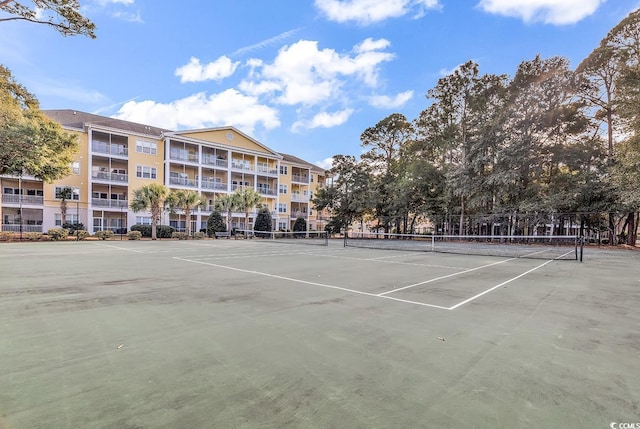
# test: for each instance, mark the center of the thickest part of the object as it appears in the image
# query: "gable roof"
(301, 162)
(79, 120)
(192, 133)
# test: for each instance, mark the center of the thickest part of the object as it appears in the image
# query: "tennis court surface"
(254, 333)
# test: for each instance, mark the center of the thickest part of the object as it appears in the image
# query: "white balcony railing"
(26, 199)
(109, 149)
(111, 177)
(299, 178)
(205, 184)
(12, 227)
(299, 198)
(179, 181)
(104, 202)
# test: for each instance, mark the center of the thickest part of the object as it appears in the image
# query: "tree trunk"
(63, 211)
(632, 235)
(461, 216)
(612, 229)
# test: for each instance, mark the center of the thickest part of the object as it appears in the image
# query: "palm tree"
(64, 194)
(227, 204)
(247, 198)
(186, 200)
(151, 198)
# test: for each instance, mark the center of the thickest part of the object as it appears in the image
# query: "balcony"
(104, 202)
(267, 191)
(300, 198)
(179, 181)
(218, 186)
(109, 149)
(267, 170)
(241, 166)
(300, 178)
(212, 160)
(26, 199)
(12, 227)
(183, 157)
(111, 177)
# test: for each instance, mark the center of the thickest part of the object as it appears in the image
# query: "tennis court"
(254, 333)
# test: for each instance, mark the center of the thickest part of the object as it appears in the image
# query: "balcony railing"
(300, 178)
(211, 160)
(111, 177)
(299, 198)
(109, 149)
(12, 227)
(104, 202)
(188, 158)
(214, 185)
(189, 183)
(267, 191)
(267, 170)
(26, 199)
(241, 166)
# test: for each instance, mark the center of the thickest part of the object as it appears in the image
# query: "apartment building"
(116, 157)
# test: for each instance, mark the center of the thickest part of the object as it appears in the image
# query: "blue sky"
(304, 77)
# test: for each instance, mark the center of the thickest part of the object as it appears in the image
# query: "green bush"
(199, 235)
(104, 235)
(162, 231)
(263, 222)
(299, 227)
(180, 235)
(80, 234)
(6, 235)
(215, 223)
(73, 227)
(33, 236)
(134, 235)
(57, 234)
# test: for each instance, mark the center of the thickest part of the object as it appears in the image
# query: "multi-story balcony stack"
(115, 157)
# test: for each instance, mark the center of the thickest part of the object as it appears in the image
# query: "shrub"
(199, 235)
(215, 223)
(180, 235)
(33, 236)
(299, 227)
(81, 234)
(6, 235)
(104, 235)
(134, 235)
(73, 227)
(57, 234)
(162, 231)
(263, 222)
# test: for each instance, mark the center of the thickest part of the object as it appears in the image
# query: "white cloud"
(266, 43)
(324, 120)
(217, 70)
(558, 12)
(304, 74)
(127, 16)
(387, 102)
(370, 11)
(199, 111)
(107, 2)
(325, 163)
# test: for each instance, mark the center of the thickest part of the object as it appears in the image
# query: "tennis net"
(520, 246)
(320, 238)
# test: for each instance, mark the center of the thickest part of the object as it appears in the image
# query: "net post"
(433, 242)
(581, 247)
(345, 239)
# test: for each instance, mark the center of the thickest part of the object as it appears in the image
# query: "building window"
(69, 218)
(75, 193)
(283, 189)
(144, 172)
(143, 220)
(75, 167)
(282, 226)
(312, 178)
(283, 170)
(282, 207)
(146, 147)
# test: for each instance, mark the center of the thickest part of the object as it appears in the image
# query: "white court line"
(445, 277)
(259, 273)
(501, 284)
(121, 248)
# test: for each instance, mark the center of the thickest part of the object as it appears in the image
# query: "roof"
(295, 160)
(76, 119)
